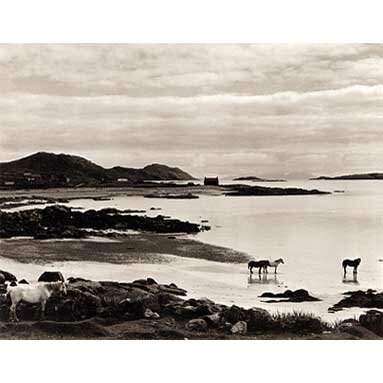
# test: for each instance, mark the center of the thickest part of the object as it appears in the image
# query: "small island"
(257, 179)
(363, 176)
(245, 190)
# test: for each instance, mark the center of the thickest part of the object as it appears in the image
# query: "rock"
(149, 314)
(51, 276)
(239, 328)
(234, 314)
(8, 276)
(373, 321)
(299, 295)
(213, 320)
(134, 308)
(23, 281)
(368, 299)
(259, 319)
(2, 278)
(196, 325)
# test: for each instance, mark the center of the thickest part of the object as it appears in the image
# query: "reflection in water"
(353, 279)
(263, 279)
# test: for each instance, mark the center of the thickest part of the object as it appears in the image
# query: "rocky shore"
(145, 309)
(59, 221)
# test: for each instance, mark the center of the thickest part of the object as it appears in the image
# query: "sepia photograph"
(191, 191)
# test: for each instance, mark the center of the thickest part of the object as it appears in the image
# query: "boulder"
(196, 325)
(149, 314)
(373, 320)
(51, 276)
(23, 281)
(213, 320)
(240, 328)
(258, 319)
(8, 276)
(234, 314)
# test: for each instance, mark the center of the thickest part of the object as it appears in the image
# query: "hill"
(57, 170)
(364, 176)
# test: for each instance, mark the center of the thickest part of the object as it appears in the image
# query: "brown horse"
(260, 265)
(352, 263)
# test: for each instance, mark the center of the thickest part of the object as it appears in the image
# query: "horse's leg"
(12, 313)
(345, 271)
(43, 303)
(275, 269)
(266, 270)
(259, 270)
(355, 269)
(251, 269)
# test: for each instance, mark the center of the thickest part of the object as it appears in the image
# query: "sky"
(286, 111)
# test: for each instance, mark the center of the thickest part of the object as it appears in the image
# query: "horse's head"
(280, 260)
(358, 260)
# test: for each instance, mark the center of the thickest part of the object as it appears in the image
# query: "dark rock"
(51, 276)
(8, 276)
(258, 319)
(299, 295)
(196, 325)
(373, 320)
(234, 314)
(2, 278)
(213, 320)
(368, 299)
(23, 281)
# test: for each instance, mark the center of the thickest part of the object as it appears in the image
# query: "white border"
(164, 21)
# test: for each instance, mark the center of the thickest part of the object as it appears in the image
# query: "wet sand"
(100, 259)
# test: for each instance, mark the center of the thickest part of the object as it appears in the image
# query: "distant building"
(211, 181)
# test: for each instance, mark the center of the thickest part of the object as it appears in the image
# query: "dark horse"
(258, 264)
(352, 263)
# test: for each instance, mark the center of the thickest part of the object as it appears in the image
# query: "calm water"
(313, 234)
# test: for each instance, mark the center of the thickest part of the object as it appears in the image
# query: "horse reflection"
(353, 279)
(263, 279)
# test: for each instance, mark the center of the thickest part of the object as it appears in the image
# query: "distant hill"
(256, 179)
(52, 170)
(364, 176)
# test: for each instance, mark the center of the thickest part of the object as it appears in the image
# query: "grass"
(299, 322)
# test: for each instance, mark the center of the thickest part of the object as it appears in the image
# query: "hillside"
(364, 176)
(54, 170)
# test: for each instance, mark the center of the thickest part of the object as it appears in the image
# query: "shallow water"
(313, 234)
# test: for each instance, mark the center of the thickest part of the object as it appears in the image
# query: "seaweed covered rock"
(373, 320)
(300, 295)
(51, 276)
(7, 276)
(363, 299)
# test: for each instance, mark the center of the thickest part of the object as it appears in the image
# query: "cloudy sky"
(269, 110)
